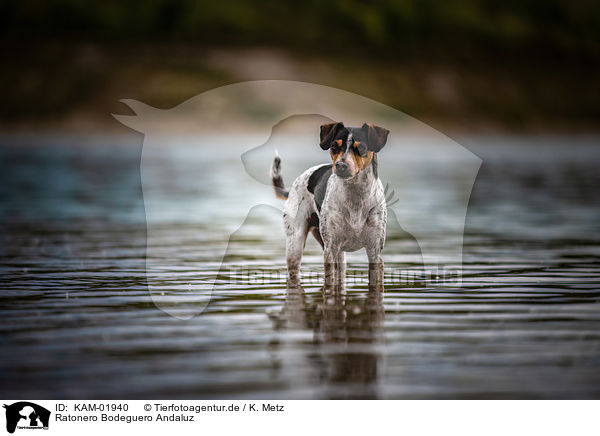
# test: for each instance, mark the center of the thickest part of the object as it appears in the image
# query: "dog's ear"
(328, 132)
(376, 136)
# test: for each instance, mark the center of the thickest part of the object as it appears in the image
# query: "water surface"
(77, 320)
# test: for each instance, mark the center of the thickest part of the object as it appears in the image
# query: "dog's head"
(352, 149)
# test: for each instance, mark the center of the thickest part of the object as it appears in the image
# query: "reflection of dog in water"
(342, 204)
(25, 414)
(347, 329)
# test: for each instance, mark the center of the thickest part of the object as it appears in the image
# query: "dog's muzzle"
(342, 170)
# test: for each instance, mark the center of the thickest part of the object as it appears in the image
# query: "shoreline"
(78, 88)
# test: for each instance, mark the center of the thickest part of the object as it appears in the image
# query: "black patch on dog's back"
(317, 184)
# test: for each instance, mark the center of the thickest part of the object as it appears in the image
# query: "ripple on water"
(77, 320)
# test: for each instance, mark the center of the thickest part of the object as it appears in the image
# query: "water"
(77, 320)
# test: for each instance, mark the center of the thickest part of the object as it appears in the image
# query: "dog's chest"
(348, 228)
(345, 218)
(348, 218)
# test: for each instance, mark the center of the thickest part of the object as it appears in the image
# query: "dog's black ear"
(376, 136)
(328, 132)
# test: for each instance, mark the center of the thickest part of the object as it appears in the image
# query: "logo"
(26, 415)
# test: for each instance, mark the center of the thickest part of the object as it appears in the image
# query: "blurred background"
(464, 65)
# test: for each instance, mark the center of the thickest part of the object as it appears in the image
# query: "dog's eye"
(361, 149)
(335, 149)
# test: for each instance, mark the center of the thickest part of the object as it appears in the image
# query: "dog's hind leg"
(317, 235)
(294, 247)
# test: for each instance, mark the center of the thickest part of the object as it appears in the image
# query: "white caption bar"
(154, 417)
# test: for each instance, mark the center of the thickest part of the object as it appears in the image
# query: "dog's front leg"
(329, 267)
(376, 269)
(340, 269)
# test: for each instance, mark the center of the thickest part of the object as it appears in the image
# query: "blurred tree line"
(517, 64)
(552, 28)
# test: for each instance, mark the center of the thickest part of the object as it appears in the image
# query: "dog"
(342, 204)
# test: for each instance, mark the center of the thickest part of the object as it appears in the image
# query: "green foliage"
(551, 27)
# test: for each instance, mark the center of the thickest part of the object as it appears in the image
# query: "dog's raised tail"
(277, 180)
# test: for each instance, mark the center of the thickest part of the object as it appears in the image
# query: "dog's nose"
(341, 166)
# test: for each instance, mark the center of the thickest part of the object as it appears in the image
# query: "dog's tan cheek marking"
(335, 157)
(362, 162)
